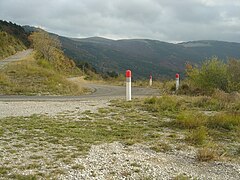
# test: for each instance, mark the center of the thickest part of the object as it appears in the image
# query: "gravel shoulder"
(50, 108)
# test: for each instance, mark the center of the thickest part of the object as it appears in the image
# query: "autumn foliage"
(48, 48)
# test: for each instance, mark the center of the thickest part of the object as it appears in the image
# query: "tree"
(45, 44)
(49, 48)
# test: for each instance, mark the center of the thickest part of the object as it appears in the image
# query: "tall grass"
(9, 45)
(31, 77)
(224, 121)
(190, 119)
(163, 104)
(197, 136)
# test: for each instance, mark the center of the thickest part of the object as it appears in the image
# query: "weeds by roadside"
(164, 124)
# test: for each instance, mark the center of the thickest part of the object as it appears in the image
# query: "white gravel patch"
(28, 108)
(116, 161)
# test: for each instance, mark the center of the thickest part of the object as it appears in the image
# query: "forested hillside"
(145, 57)
(13, 38)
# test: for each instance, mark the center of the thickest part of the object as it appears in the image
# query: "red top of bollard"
(177, 75)
(128, 73)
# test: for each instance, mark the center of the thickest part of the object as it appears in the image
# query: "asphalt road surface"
(16, 57)
(100, 92)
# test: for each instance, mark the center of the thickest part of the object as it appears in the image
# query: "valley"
(63, 112)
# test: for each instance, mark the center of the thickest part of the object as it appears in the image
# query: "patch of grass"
(9, 45)
(207, 103)
(31, 166)
(22, 177)
(29, 78)
(181, 177)
(207, 154)
(162, 104)
(224, 121)
(4, 80)
(190, 119)
(1, 131)
(218, 101)
(19, 145)
(134, 164)
(78, 167)
(197, 136)
(237, 151)
(161, 147)
(103, 110)
(4, 170)
(36, 157)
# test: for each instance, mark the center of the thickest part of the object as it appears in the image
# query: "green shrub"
(233, 69)
(211, 75)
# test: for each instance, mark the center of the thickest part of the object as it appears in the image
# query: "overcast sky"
(165, 20)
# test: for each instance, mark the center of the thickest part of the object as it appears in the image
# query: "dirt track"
(15, 57)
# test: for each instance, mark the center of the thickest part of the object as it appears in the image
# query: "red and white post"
(128, 85)
(150, 80)
(177, 81)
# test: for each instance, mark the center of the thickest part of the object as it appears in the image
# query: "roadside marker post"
(128, 85)
(177, 81)
(150, 80)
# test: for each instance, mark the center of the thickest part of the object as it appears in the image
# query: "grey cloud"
(166, 20)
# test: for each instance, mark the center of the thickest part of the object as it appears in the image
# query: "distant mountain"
(144, 56)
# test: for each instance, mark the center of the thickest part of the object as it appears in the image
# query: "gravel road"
(15, 57)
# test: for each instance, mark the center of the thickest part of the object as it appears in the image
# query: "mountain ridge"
(146, 56)
(143, 56)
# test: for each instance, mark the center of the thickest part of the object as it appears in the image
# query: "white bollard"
(128, 85)
(150, 80)
(177, 81)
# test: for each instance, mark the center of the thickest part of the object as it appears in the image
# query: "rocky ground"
(116, 161)
(51, 108)
(113, 160)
